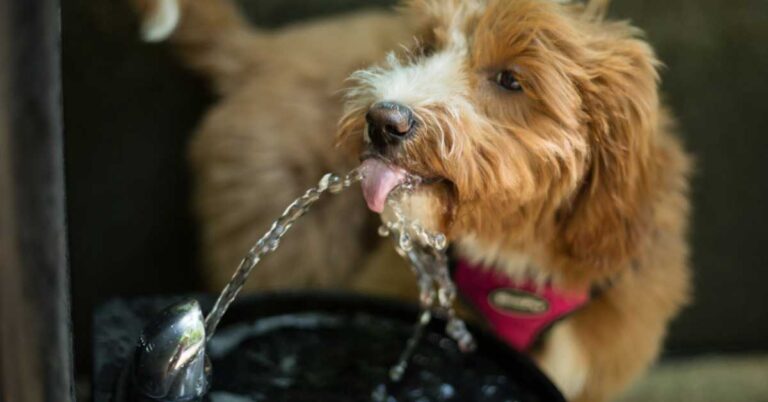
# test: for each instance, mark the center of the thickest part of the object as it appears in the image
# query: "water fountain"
(172, 361)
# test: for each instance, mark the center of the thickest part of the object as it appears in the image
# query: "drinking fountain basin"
(316, 346)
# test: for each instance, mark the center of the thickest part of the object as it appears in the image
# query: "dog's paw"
(564, 361)
(159, 18)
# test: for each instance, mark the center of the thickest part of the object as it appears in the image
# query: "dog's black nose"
(389, 123)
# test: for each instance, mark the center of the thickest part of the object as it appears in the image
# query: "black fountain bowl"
(334, 347)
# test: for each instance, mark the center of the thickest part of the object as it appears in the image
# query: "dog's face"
(517, 112)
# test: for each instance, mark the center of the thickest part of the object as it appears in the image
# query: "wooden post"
(35, 334)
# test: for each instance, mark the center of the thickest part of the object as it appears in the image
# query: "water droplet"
(467, 343)
(322, 185)
(439, 242)
(427, 298)
(292, 213)
(335, 185)
(405, 242)
(447, 391)
(489, 390)
(455, 328)
(379, 393)
(311, 196)
(279, 229)
(253, 256)
(445, 296)
(396, 372)
(425, 318)
(354, 176)
(401, 252)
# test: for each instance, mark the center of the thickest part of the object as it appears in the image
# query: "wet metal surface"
(170, 361)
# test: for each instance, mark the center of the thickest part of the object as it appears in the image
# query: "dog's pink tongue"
(378, 181)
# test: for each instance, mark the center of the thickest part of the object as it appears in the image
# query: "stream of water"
(268, 243)
(425, 251)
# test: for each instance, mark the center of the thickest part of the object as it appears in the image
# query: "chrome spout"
(170, 363)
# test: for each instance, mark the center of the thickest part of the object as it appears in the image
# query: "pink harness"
(518, 312)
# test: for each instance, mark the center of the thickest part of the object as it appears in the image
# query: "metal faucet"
(170, 363)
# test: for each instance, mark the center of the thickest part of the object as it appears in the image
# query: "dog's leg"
(592, 357)
(211, 36)
(600, 350)
(564, 360)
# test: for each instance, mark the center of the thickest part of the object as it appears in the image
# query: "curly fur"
(579, 172)
(578, 179)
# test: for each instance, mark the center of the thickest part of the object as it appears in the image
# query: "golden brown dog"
(536, 125)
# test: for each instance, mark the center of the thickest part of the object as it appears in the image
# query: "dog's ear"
(604, 222)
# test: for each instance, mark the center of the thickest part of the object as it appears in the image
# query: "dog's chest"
(517, 265)
(516, 298)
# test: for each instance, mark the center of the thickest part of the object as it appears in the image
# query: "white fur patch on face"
(431, 80)
(564, 361)
(160, 24)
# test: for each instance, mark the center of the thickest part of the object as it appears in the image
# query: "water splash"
(423, 249)
(426, 252)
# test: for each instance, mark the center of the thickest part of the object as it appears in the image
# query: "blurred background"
(129, 109)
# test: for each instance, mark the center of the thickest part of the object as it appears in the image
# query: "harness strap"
(519, 312)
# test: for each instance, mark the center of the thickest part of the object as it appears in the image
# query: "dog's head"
(529, 118)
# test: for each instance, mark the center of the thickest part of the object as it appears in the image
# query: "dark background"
(129, 109)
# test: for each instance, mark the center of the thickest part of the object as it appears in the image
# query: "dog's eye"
(507, 80)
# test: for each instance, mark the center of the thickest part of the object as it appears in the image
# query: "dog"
(545, 153)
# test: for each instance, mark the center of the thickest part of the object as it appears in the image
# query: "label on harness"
(517, 301)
